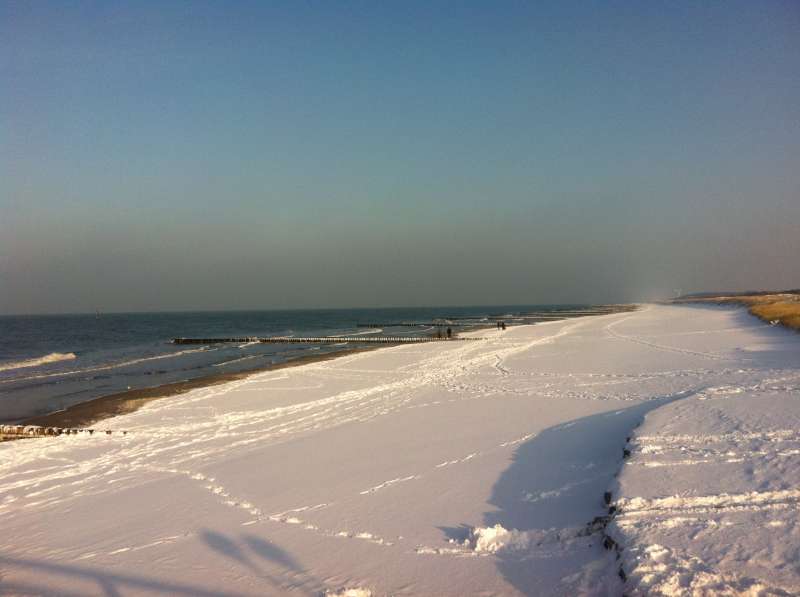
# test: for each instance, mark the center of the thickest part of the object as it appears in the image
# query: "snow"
(446, 469)
(349, 593)
(493, 539)
(707, 502)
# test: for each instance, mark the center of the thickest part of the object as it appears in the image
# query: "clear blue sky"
(165, 155)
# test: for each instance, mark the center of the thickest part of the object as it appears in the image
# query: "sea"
(50, 362)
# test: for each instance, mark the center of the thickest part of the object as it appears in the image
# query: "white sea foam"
(223, 363)
(53, 357)
(365, 333)
(101, 367)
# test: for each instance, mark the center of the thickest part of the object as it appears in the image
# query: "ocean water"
(50, 362)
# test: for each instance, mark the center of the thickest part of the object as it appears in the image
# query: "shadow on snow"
(557, 481)
(253, 553)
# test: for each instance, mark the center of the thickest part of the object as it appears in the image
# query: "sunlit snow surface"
(439, 469)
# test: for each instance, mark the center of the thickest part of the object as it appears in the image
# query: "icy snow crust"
(440, 469)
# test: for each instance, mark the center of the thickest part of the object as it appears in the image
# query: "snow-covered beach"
(439, 469)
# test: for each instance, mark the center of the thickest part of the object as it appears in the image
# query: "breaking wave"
(53, 357)
(107, 367)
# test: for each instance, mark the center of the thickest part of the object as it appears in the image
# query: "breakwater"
(21, 431)
(322, 340)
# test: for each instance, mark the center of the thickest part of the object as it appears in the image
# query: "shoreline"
(85, 414)
(98, 409)
(392, 449)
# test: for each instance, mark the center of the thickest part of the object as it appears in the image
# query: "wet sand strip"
(87, 413)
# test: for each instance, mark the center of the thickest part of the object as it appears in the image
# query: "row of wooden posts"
(38, 431)
(320, 340)
(406, 324)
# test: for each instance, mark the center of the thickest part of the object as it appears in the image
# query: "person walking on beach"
(502, 325)
(449, 333)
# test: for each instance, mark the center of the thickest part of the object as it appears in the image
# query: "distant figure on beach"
(498, 325)
(503, 325)
(449, 333)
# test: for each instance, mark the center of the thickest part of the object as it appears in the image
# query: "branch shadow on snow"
(96, 580)
(557, 481)
(270, 551)
(256, 555)
(274, 556)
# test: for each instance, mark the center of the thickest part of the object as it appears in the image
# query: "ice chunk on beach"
(349, 593)
(496, 538)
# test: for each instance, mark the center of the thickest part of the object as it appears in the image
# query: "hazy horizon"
(202, 156)
(266, 310)
(351, 308)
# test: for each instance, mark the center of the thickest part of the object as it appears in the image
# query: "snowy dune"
(439, 469)
(710, 494)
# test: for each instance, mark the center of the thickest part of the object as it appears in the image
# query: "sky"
(211, 155)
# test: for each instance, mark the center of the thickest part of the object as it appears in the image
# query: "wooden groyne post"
(21, 431)
(322, 340)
